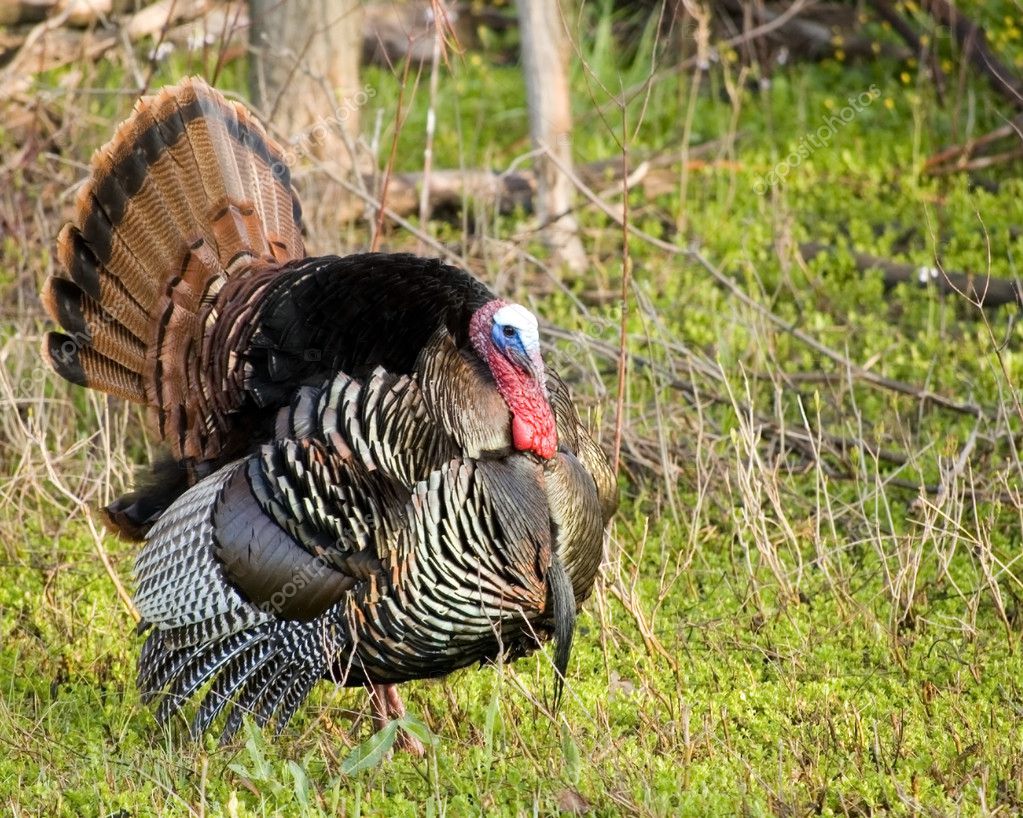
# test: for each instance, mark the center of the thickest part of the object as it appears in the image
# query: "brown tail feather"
(84, 366)
(188, 195)
(79, 314)
(81, 264)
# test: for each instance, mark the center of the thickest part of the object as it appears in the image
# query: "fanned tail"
(189, 194)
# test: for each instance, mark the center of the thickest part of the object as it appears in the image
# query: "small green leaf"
(418, 728)
(490, 720)
(571, 752)
(301, 783)
(241, 770)
(372, 751)
(254, 747)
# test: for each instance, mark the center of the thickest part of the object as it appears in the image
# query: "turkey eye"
(509, 332)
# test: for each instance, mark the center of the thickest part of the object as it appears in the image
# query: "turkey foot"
(387, 705)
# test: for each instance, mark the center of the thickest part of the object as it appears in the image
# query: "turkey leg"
(387, 704)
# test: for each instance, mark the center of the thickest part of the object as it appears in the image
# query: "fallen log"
(983, 290)
(391, 31)
(508, 190)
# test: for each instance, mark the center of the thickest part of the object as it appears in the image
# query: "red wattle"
(547, 446)
(522, 434)
(536, 434)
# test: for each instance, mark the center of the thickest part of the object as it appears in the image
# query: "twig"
(431, 119)
(96, 532)
(229, 26)
(403, 223)
(161, 34)
(768, 26)
(956, 157)
(949, 477)
(629, 600)
(399, 122)
(624, 303)
(800, 439)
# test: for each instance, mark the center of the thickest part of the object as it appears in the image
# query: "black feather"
(61, 353)
(133, 514)
(562, 606)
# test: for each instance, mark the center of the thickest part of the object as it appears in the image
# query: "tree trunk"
(544, 63)
(304, 75)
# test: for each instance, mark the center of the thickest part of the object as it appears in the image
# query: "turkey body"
(360, 485)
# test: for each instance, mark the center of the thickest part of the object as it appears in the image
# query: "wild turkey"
(370, 477)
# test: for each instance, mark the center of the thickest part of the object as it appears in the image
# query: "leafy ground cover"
(811, 603)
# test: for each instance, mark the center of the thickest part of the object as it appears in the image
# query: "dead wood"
(1001, 145)
(391, 31)
(981, 289)
(53, 43)
(506, 191)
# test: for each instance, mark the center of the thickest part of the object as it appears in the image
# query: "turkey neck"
(533, 425)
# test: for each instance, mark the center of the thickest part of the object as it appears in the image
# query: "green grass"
(774, 632)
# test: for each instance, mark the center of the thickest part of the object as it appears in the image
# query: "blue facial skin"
(506, 338)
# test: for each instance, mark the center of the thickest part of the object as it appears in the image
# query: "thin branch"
(624, 302)
(399, 123)
(431, 119)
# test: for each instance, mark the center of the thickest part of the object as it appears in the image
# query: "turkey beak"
(530, 362)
